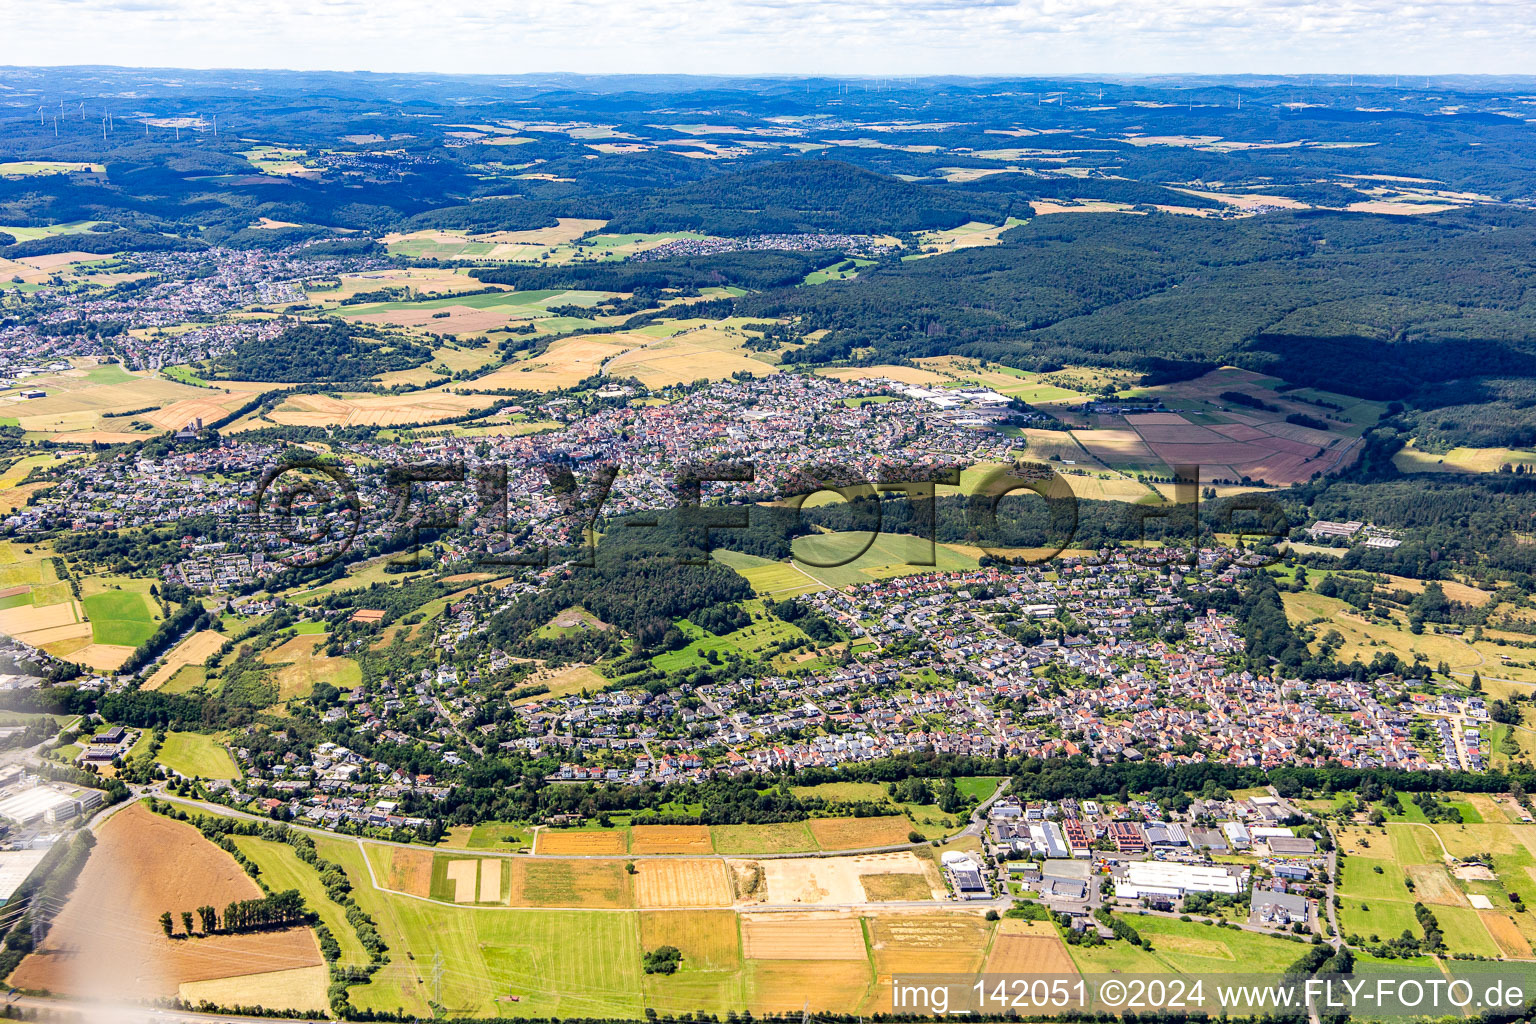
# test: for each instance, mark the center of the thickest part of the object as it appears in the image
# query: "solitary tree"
(165, 922)
(186, 922)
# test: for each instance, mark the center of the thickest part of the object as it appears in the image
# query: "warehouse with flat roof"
(1172, 880)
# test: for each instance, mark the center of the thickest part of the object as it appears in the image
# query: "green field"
(780, 579)
(121, 617)
(500, 836)
(749, 641)
(282, 869)
(558, 963)
(1188, 947)
(199, 755)
(786, 837)
(1360, 878)
(888, 555)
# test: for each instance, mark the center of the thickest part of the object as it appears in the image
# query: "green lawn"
(977, 787)
(1385, 919)
(1359, 878)
(196, 754)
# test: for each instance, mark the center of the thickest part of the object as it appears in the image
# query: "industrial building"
(1143, 879)
(49, 804)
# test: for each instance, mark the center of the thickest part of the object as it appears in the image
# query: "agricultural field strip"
(373, 878)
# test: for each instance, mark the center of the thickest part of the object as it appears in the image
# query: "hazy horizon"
(789, 37)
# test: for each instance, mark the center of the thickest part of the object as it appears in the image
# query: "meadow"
(282, 869)
(537, 962)
(121, 611)
(885, 556)
(197, 755)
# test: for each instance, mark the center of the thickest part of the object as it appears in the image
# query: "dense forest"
(328, 352)
(1362, 305)
(805, 196)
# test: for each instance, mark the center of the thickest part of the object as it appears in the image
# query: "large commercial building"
(48, 803)
(1170, 880)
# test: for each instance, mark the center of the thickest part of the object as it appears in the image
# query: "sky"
(740, 37)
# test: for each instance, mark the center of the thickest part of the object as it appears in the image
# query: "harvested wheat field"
(681, 883)
(403, 870)
(573, 884)
(179, 414)
(931, 943)
(1028, 952)
(1506, 934)
(108, 937)
(1431, 884)
(817, 936)
(301, 988)
(790, 986)
(859, 833)
(581, 844)
(102, 657)
(710, 939)
(463, 874)
(194, 650)
(25, 620)
(686, 839)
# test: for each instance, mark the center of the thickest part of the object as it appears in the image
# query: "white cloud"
(871, 37)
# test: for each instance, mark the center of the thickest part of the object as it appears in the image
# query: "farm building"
(1169, 880)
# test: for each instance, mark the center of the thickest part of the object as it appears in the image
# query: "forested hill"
(805, 196)
(1373, 306)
